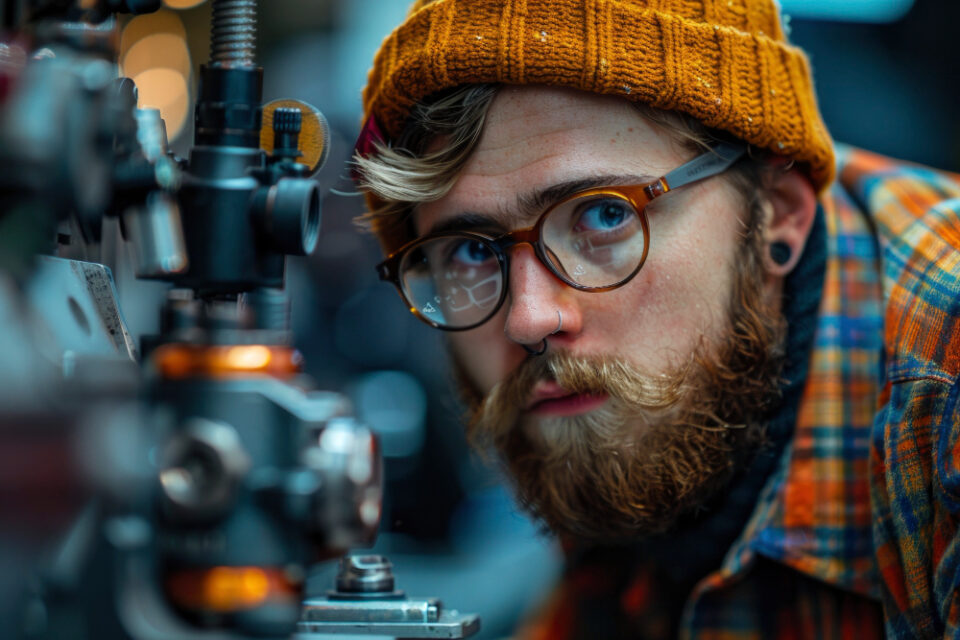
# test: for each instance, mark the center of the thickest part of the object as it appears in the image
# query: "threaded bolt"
(233, 36)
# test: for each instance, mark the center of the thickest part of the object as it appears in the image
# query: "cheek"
(702, 227)
(697, 248)
(681, 294)
(485, 354)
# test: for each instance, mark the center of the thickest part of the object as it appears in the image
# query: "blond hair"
(441, 134)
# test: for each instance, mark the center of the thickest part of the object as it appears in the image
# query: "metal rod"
(233, 37)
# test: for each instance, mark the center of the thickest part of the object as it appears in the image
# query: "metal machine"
(199, 473)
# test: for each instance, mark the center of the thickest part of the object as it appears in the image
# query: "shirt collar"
(814, 511)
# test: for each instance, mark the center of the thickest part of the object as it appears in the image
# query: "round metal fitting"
(203, 467)
(292, 215)
(365, 574)
(346, 458)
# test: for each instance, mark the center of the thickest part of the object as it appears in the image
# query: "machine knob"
(287, 120)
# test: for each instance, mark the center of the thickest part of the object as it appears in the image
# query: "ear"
(789, 209)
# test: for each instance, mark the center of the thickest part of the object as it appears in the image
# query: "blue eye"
(603, 215)
(472, 253)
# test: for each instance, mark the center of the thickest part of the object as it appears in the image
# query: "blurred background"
(887, 73)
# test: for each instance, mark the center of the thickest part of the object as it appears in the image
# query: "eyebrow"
(534, 203)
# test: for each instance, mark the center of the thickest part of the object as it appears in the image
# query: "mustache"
(634, 391)
(594, 374)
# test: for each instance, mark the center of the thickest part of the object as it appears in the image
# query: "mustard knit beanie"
(724, 62)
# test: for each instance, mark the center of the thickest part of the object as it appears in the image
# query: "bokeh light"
(142, 26)
(154, 53)
(183, 4)
(166, 90)
(159, 50)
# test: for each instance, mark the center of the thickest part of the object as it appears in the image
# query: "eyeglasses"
(595, 240)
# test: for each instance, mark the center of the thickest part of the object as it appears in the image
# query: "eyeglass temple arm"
(717, 160)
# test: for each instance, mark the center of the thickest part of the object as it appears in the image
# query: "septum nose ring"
(543, 343)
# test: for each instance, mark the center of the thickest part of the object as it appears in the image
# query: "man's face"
(538, 137)
(658, 328)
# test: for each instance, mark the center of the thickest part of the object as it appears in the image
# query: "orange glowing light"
(158, 50)
(166, 90)
(248, 357)
(178, 361)
(232, 588)
(154, 54)
(183, 4)
(148, 24)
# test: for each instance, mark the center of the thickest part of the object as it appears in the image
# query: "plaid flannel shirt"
(864, 505)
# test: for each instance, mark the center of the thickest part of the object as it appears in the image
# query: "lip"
(550, 399)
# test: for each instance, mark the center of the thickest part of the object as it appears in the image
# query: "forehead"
(536, 137)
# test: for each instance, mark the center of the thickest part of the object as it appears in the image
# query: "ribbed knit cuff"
(724, 62)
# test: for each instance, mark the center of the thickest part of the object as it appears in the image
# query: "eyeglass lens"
(456, 281)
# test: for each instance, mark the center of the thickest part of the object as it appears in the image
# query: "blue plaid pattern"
(855, 532)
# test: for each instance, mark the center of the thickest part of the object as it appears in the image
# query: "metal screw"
(233, 36)
(365, 574)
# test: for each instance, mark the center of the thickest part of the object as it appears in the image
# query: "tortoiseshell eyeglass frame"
(718, 159)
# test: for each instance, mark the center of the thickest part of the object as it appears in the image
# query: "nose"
(537, 301)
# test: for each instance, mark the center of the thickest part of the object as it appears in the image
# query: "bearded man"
(725, 379)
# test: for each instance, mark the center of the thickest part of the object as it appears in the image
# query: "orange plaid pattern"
(855, 533)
